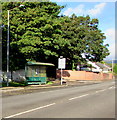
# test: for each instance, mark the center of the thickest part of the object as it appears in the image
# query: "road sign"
(61, 63)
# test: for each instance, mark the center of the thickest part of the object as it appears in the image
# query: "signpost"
(61, 65)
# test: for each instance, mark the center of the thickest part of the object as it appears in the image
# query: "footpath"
(9, 91)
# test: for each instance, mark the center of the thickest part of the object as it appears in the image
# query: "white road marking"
(97, 91)
(111, 87)
(100, 90)
(30, 110)
(78, 97)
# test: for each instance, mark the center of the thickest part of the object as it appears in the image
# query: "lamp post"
(8, 51)
(8, 31)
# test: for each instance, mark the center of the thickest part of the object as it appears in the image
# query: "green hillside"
(115, 68)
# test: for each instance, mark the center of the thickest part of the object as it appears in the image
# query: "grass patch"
(49, 82)
(15, 84)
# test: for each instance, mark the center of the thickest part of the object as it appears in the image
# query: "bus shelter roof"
(39, 63)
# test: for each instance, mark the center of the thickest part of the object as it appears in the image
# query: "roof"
(102, 65)
(39, 63)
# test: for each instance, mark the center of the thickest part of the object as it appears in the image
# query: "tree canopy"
(83, 37)
(39, 33)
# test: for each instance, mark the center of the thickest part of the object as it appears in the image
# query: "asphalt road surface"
(89, 101)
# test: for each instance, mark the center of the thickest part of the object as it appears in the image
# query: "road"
(89, 101)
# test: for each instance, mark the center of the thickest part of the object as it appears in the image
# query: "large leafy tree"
(35, 32)
(83, 37)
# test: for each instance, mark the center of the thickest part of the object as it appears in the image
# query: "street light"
(8, 31)
(112, 65)
(8, 51)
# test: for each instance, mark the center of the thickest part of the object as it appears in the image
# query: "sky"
(103, 10)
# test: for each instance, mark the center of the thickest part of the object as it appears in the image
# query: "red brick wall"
(83, 75)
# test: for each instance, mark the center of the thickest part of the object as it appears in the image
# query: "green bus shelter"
(35, 72)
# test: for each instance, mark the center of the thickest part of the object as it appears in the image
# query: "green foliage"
(34, 32)
(103, 62)
(38, 33)
(49, 82)
(82, 35)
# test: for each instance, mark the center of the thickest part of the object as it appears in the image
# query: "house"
(105, 68)
(99, 67)
(96, 67)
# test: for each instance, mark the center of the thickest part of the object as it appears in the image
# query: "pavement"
(9, 91)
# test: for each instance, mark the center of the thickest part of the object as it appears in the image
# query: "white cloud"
(82, 0)
(77, 10)
(112, 52)
(80, 10)
(97, 9)
(68, 11)
(110, 39)
(110, 34)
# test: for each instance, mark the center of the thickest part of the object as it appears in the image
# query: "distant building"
(105, 68)
(96, 67)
